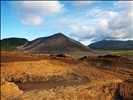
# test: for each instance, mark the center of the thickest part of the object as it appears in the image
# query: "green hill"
(12, 44)
(112, 45)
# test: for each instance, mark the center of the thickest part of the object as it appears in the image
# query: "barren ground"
(42, 77)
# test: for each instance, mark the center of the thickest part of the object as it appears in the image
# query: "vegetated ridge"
(112, 45)
(12, 44)
(57, 43)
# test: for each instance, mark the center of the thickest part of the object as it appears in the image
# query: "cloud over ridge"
(110, 24)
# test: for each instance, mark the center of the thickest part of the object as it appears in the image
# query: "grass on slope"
(128, 53)
(12, 44)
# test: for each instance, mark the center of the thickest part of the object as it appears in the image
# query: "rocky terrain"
(61, 77)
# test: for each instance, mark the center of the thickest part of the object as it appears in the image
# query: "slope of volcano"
(57, 43)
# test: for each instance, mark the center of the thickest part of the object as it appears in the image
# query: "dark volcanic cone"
(57, 43)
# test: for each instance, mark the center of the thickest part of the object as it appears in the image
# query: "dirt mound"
(126, 91)
(17, 56)
(108, 60)
(7, 53)
(64, 56)
(9, 90)
(40, 55)
(115, 57)
(129, 81)
(121, 66)
(87, 57)
(109, 56)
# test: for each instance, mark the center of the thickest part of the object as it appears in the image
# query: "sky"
(84, 21)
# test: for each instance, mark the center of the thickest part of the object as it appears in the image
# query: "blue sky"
(85, 21)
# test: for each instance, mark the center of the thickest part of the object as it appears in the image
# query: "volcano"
(55, 44)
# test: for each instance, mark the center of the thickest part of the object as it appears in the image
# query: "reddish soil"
(42, 76)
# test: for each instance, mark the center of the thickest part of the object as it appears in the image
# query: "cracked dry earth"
(39, 77)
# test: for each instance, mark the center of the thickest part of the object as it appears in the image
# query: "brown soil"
(60, 77)
(47, 84)
(126, 90)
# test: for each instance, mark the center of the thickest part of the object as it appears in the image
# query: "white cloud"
(115, 21)
(31, 19)
(124, 4)
(31, 12)
(82, 32)
(86, 42)
(97, 24)
(41, 6)
(82, 3)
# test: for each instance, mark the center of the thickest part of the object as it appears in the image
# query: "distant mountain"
(57, 43)
(12, 44)
(112, 45)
